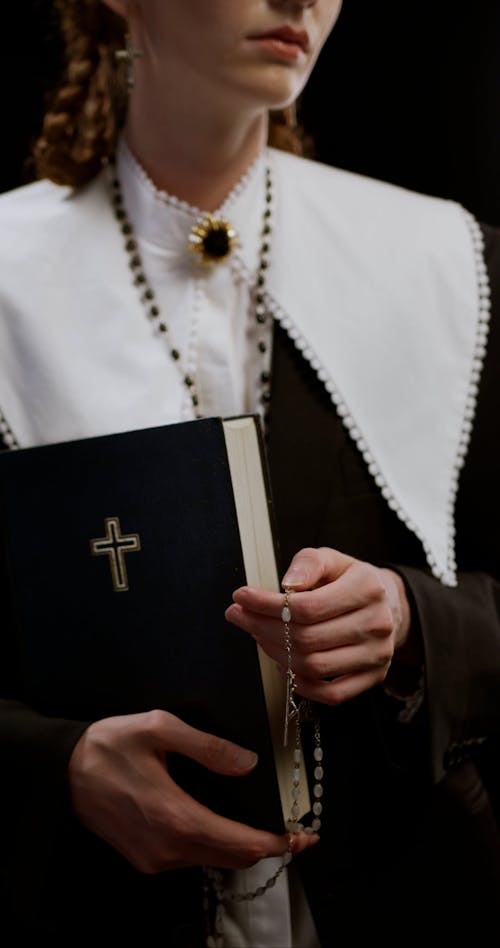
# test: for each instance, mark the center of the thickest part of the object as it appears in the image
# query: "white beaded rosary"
(298, 712)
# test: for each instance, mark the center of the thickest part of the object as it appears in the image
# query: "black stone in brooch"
(212, 238)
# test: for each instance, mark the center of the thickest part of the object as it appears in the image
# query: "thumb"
(210, 751)
(315, 567)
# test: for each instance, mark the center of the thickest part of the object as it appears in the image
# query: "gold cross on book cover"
(115, 546)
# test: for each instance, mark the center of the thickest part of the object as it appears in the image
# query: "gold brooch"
(213, 238)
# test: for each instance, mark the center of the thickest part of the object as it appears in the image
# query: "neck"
(199, 161)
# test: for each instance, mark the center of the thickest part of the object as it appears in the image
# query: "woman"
(373, 302)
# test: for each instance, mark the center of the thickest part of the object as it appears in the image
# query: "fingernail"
(243, 592)
(246, 759)
(294, 577)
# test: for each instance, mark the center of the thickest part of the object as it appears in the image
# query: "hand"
(121, 790)
(348, 619)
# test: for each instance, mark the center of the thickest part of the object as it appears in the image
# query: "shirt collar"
(163, 222)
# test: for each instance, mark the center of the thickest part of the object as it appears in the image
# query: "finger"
(356, 588)
(240, 857)
(176, 830)
(309, 568)
(372, 657)
(348, 630)
(341, 690)
(359, 586)
(171, 734)
(313, 567)
(341, 662)
(353, 660)
(206, 837)
(246, 855)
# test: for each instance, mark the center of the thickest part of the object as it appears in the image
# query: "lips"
(287, 35)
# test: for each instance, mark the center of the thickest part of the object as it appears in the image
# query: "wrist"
(408, 646)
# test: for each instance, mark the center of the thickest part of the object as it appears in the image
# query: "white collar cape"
(384, 291)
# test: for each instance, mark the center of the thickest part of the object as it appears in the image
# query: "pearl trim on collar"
(171, 200)
(447, 576)
(7, 435)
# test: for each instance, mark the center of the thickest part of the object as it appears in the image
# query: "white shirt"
(207, 308)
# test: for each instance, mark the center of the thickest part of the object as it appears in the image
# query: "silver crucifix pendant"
(291, 709)
(128, 55)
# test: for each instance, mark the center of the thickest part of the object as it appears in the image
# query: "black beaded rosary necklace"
(212, 239)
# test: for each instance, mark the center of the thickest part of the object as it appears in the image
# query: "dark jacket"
(410, 836)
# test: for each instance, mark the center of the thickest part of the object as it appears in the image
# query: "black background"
(407, 92)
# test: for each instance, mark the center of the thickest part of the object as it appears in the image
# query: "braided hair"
(81, 126)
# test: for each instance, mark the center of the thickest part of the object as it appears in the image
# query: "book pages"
(251, 501)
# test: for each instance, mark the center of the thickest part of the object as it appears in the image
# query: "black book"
(123, 552)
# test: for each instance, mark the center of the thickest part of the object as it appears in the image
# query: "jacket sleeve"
(460, 627)
(461, 635)
(35, 749)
